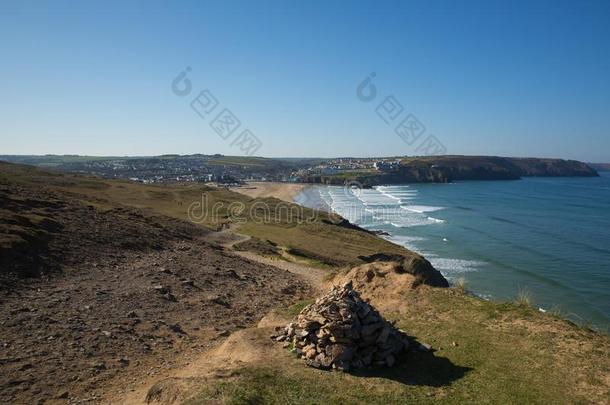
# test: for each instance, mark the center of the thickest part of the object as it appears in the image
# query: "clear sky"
(504, 78)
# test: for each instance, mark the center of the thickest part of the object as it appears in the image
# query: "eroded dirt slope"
(94, 300)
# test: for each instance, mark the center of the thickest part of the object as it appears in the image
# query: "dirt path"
(242, 347)
(236, 238)
(311, 275)
(86, 335)
(229, 237)
(245, 346)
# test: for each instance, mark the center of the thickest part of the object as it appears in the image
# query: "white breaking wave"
(385, 205)
(439, 221)
(378, 206)
(408, 222)
(375, 198)
(451, 267)
(397, 193)
(406, 241)
(420, 209)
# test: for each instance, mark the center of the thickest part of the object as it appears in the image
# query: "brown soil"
(110, 298)
(44, 231)
(384, 283)
(380, 282)
(245, 347)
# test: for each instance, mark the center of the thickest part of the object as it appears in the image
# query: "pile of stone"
(342, 331)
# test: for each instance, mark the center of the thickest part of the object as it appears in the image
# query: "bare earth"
(125, 296)
(282, 191)
(245, 346)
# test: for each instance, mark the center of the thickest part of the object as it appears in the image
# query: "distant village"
(336, 166)
(226, 170)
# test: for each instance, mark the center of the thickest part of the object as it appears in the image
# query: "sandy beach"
(282, 191)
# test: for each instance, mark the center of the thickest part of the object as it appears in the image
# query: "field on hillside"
(483, 352)
(316, 235)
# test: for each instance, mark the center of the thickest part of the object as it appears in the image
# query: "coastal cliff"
(445, 169)
(602, 167)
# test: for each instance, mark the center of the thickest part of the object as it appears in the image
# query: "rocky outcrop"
(414, 264)
(552, 168)
(341, 331)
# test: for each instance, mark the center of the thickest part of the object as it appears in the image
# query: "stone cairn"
(341, 331)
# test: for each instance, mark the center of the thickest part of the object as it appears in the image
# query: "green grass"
(317, 240)
(328, 244)
(240, 161)
(460, 285)
(352, 174)
(294, 309)
(524, 298)
(56, 160)
(484, 352)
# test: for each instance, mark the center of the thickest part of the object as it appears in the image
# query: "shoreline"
(443, 258)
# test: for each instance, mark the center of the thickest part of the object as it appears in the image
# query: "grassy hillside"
(483, 352)
(252, 162)
(318, 236)
(54, 160)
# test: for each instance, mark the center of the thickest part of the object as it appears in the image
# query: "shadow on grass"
(418, 368)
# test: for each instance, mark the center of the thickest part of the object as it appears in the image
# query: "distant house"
(385, 166)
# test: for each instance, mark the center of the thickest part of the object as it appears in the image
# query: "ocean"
(549, 237)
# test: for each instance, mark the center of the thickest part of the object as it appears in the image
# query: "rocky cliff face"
(445, 169)
(602, 167)
(552, 167)
(417, 266)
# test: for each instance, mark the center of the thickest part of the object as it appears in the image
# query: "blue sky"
(502, 78)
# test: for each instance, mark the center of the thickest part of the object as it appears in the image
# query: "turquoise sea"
(547, 236)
